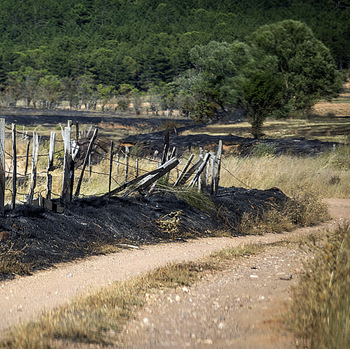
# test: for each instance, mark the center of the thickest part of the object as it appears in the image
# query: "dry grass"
(97, 318)
(304, 210)
(322, 128)
(11, 262)
(326, 175)
(320, 312)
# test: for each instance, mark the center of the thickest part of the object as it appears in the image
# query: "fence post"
(184, 170)
(14, 168)
(27, 157)
(50, 165)
(166, 146)
(2, 166)
(126, 163)
(137, 168)
(35, 151)
(86, 160)
(218, 161)
(200, 170)
(66, 194)
(110, 169)
(116, 167)
(212, 164)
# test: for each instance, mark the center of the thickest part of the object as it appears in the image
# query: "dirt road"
(23, 298)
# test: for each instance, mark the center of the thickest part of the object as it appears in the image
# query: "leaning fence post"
(2, 166)
(35, 151)
(184, 170)
(86, 160)
(14, 168)
(110, 169)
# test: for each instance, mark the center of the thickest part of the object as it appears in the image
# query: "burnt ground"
(150, 142)
(46, 238)
(237, 145)
(29, 117)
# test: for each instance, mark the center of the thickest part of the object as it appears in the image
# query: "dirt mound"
(46, 238)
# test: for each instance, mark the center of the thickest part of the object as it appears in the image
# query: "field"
(305, 178)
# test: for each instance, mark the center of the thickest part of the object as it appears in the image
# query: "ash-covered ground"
(46, 238)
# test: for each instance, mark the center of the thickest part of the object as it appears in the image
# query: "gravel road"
(239, 308)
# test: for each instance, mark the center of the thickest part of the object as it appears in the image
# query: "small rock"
(177, 298)
(254, 276)
(185, 289)
(208, 341)
(69, 275)
(286, 277)
(221, 326)
(146, 321)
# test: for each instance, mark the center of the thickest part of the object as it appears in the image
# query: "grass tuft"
(304, 209)
(320, 312)
(11, 262)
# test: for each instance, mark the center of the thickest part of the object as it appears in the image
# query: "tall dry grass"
(326, 175)
(320, 312)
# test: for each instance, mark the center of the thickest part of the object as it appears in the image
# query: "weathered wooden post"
(126, 154)
(110, 169)
(137, 168)
(188, 163)
(2, 166)
(14, 168)
(166, 146)
(199, 171)
(86, 160)
(212, 174)
(35, 152)
(50, 165)
(218, 161)
(116, 167)
(27, 157)
(67, 183)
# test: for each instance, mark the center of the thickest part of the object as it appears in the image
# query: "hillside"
(146, 41)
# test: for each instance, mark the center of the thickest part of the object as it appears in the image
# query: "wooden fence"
(75, 158)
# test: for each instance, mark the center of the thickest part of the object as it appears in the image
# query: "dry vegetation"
(320, 313)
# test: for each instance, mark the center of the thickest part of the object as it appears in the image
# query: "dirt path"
(23, 298)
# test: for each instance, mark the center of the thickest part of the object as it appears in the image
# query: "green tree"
(105, 93)
(262, 94)
(85, 87)
(50, 88)
(214, 81)
(304, 62)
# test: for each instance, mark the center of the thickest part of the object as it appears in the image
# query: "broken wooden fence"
(203, 173)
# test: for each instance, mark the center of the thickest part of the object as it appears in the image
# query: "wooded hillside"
(145, 42)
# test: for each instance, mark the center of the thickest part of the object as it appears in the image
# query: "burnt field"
(39, 238)
(34, 238)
